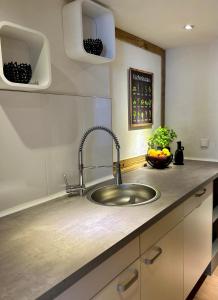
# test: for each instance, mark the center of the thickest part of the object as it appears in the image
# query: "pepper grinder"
(179, 158)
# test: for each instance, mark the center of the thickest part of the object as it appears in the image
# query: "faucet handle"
(73, 189)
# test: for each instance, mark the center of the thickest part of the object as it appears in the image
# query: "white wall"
(192, 97)
(40, 133)
(134, 142)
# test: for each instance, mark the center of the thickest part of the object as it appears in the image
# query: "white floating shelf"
(24, 45)
(83, 19)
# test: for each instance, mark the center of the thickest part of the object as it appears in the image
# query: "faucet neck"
(98, 128)
(81, 166)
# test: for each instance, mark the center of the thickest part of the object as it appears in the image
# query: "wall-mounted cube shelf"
(83, 19)
(24, 45)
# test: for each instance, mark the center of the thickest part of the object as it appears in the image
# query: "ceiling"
(161, 21)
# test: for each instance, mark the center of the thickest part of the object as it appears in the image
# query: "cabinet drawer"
(162, 268)
(159, 229)
(93, 282)
(199, 197)
(125, 286)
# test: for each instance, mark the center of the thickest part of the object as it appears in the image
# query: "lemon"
(166, 152)
(152, 152)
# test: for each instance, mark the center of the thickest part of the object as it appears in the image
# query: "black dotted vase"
(19, 73)
(93, 46)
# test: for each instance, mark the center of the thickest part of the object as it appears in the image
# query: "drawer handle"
(150, 261)
(201, 193)
(122, 287)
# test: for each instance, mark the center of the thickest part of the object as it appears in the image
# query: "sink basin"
(128, 194)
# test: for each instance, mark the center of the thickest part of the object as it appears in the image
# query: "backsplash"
(40, 134)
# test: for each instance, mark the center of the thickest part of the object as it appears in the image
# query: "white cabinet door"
(125, 286)
(162, 268)
(197, 242)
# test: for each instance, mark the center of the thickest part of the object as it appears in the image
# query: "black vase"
(179, 158)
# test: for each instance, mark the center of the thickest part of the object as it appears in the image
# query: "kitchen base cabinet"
(162, 268)
(197, 238)
(125, 286)
(162, 263)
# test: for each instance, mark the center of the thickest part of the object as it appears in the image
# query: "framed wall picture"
(140, 99)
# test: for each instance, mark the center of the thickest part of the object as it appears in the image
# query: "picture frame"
(140, 113)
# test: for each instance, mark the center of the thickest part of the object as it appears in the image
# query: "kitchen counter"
(45, 249)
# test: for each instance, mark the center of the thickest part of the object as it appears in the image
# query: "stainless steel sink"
(128, 194)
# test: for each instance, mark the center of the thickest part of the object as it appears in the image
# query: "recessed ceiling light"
(189, 27)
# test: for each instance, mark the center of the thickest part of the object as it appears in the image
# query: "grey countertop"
(45, 249)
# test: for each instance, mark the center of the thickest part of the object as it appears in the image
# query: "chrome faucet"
(71, 189)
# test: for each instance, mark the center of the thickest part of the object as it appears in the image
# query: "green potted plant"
(161, 138)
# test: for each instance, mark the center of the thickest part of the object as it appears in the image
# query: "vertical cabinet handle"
(122, 287)
(150, 260)
(201, 193)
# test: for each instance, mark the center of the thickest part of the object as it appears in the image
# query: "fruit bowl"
(159, 159)
(159, 162)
